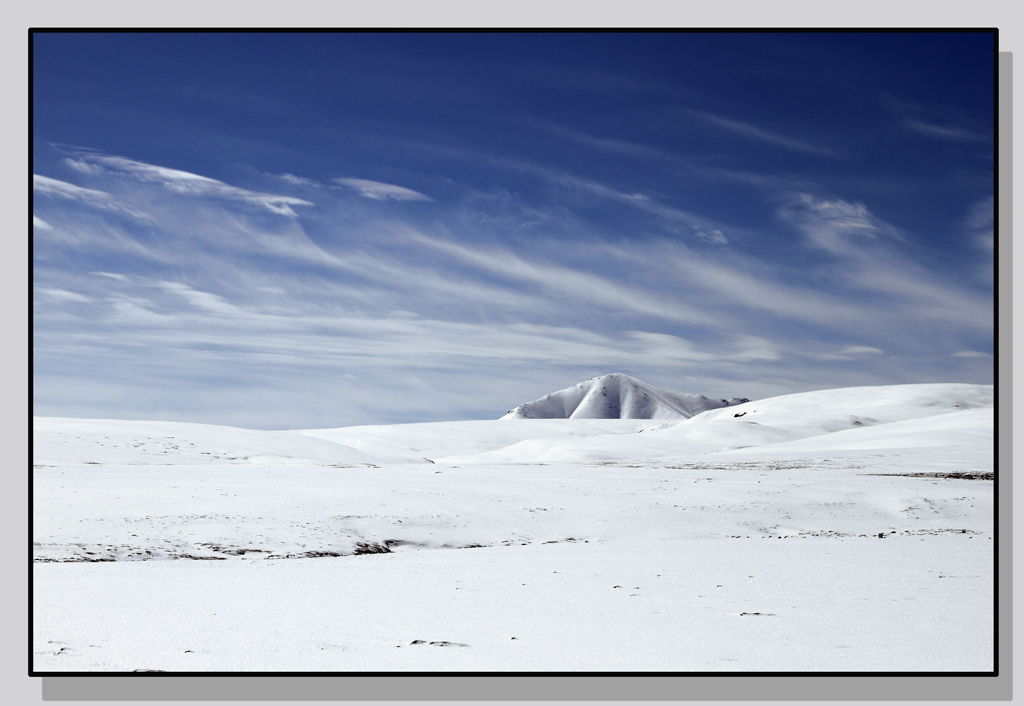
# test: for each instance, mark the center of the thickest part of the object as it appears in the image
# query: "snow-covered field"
(842, 530)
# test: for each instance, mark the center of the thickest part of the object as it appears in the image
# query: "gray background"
(18, 688)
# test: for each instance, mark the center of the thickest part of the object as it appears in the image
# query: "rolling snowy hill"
(945, 414)
(59, 440)
(784, 534)
(617, 396)
(845, 416)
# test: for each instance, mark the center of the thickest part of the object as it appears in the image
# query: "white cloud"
(747, 348)
(56, 187)
(861, 350)
(937, 122)
(131, 312)
(614, 146)
(875, 259)
(62, 294)
(980, 223)
(753, 286)
(834, 225)
(669, 348)
(712, 235)
(297, 180)
(562, 280)
(944, 132)
(39, 223)
(971, 354)
(192, 184)
(202, 300)
(271, 304)
(848, 353)
(83, 166)
(380, 191)
(702, 227)
(111, 275)
(98, 199)
(753, 132)
(921, 296)
(658, 349)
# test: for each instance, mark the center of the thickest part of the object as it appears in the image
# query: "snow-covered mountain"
(617, 396)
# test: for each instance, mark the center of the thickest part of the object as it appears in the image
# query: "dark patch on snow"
(956, 475)
(371, 548)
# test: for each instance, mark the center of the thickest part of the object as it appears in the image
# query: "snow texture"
(843, 530)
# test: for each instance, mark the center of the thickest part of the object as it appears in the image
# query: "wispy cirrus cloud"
(741, 284)
(178, 233)
(375, 291)
(379, 191)
(56, 187)
(81, 165)
(849, 353)
(604, 144)
(111, 275)
(205, 301)
(215, 337)
(182, 182)
(715, 213)
(578, 284)
(61, 294)
(837, 226)
(980, 223)
(937, 122)
(573, 187)
(297, 180)
(48, 186)
(752, 132)
(861, 350)
(601, 81)
(873, 257)
(944, 132)
(702, 227)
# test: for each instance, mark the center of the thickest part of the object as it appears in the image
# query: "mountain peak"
(617, 396)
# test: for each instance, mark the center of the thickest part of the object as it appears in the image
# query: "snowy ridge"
(617, 396)
(858, 417)
(848, 416)
(687, 537)
(119, 442)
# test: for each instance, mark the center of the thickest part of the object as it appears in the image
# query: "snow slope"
(106, 441)
(858, 417)
(764, 424)
(411, 443)
(843, 531)
(616, 396)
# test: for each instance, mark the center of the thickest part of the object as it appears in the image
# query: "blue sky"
(317, 230)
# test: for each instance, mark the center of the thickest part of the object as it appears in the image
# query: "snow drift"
(58, 440)
(850, 417)
(892, 416)
(784, 534)
(617, 396)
